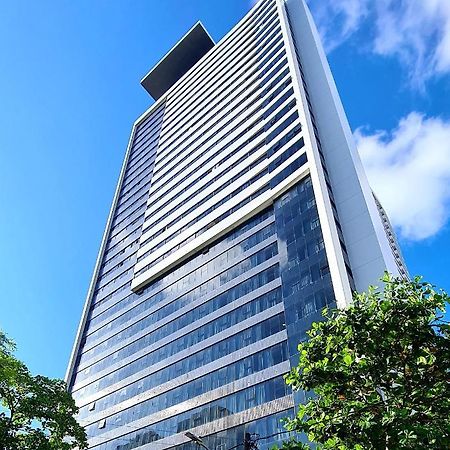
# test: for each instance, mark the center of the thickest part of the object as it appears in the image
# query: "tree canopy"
(36, 412)
(380, 372)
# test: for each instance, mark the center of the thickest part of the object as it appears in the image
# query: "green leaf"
(348, 359)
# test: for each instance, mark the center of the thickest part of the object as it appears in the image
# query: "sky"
(70, 92)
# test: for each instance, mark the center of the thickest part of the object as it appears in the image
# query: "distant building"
(241, 211)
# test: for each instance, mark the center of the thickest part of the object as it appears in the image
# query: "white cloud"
(409, 170)
(417, 32)
(337, 20)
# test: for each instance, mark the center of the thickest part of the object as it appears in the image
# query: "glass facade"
(214, 262)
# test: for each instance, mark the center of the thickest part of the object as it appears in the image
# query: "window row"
(187, 364)
(232, 372)
(279, 102)
(172, 290)
(223, 243)
(198, 216)
(244, 367)
(190, 339)
(231, 438)
(226, 406)
(181, 105)
(223, 160)
(215, 62)
(203, 113)
(203, 147)
(217, 177)
(191, 294)
(206, 227)
(271, 136)
(186, 285)
(147, 383)
(154, 199)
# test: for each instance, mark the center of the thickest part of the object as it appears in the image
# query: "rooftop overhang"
(183, 56)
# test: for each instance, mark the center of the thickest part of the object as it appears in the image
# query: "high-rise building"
(242, 210)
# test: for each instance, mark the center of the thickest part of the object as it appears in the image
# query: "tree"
(36, 413)
(380, 373)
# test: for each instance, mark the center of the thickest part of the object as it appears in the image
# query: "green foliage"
(36, 413)
(380, 372)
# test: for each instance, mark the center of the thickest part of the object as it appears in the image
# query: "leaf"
(348, 359)
(422, 360)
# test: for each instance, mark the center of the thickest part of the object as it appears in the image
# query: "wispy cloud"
(409, 170)
(338, 20)
(417, 32)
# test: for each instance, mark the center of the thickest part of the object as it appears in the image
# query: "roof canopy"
(183, 56)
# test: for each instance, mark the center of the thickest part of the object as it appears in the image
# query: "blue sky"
(69, 93)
